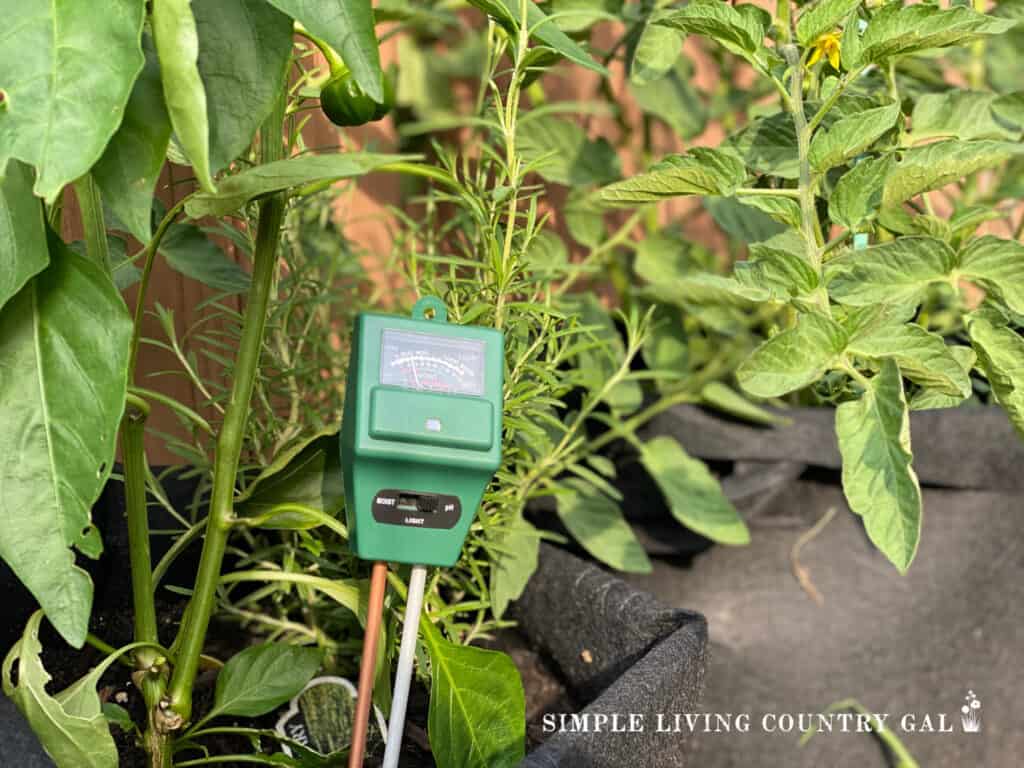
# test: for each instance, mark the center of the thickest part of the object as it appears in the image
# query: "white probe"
(406, 656)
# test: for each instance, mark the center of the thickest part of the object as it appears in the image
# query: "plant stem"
(91, 206)
(229, 442)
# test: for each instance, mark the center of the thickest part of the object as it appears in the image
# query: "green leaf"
(122, 270)
(515, 560)
(780, 266)
(1001, 356)
(849, 137)
(740, 222)
(823, 17)
(878, 479)
(672, 98)
(560, 152)
(890, 273)
(692, 492)
(177, 45)
(477, 716)
(596, 522)
(235, 191)
(262, 677)
(964, 115)
(70, 726)
(584, 218)
(923, 357)
(768, 146)
(725, 399)
(541, 28)
(700, 172)
(130, 166)
(998, 265)
(346, 26)
(857, 195)
(935, 165)
(244, 51)
(580, 15)
(739, 31)
(64, 342)
(784, 210)
(794, 358)
(656, 53)
(596, 366)
(117, 715)
(898, 30)
(308, 474)
(190, 252)
(23, 252)
(67, 72)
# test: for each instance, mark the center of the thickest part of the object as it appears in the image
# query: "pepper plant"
(885, 266)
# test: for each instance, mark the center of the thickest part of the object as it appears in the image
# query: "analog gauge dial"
(432, 363)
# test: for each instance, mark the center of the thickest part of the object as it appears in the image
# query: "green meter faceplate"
(421, 435)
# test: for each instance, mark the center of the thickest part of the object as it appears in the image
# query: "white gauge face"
(432, 363)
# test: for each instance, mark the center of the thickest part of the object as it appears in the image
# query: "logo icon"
(970, 713)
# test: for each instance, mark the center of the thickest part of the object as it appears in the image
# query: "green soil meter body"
(421, 435)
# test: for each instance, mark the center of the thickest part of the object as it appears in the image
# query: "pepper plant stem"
(91, 206)
(229, 441)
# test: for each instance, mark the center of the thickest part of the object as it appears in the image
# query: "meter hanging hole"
(430, 308)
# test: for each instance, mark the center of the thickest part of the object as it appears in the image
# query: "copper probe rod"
(368, 664)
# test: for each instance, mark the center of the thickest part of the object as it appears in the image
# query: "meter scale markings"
(431, 363)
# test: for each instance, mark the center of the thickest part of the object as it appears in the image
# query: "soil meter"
(420, 440)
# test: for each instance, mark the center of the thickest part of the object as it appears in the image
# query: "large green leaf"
(858, 193)
(998, 265)
(477, 716)
(740, 29)
(262, 677)
(822, 17)
(850, 136)
(560, 152)
(794, 358)
(889, 273)
(308, 474)
(935, 165)
(23, 250)
(768, 145)
(596, 522)
(923, 357)
(655, 53)
(235, 191)
(737, 220)
(547, 32)
(67, 71)
(878, 479)
(64, 343)
(189, 251)
(71, 725)
(964, 115)
(515, 560)
(244, 51)
(692, 492)
(700, 172)
(130, 166)
(898, 30)
(177, 45)
(780, 266)
(1001, 355)
(347, 26)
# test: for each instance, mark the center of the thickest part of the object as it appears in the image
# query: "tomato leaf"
(932, 166)
(822, 17)
(67, 72)
(858, 193)
(23, 251)
(560, 152)
(964, 115)
(692, 492)
(998, 265)
(700, 172)
(850, 136)
(177, 45)
(794, 358)
(1001, 356)
(923, 357)
(879, 482)
(890, 273)
(64, 342)
(477, 707)
(740, 29)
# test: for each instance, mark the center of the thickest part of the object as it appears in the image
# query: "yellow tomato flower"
(827, 45)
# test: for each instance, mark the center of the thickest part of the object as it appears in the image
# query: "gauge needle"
(415, 375)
